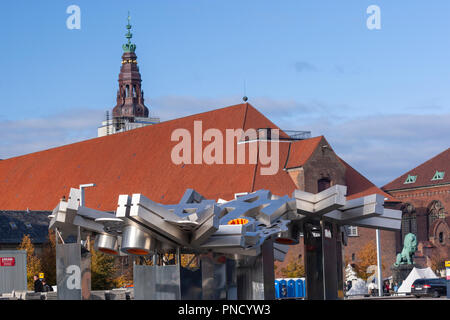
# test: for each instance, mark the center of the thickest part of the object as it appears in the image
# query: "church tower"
(130, 111)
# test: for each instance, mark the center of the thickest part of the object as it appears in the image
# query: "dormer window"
(439, 175)
(410, 179)
(13, 225)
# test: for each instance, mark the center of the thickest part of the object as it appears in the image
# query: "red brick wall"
(322, 163)
(421, 200)
(388, 243)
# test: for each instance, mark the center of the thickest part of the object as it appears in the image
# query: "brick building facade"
(314, 166)
(424, 193)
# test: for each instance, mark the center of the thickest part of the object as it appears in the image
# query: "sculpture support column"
(218, 277)
(73, 272)
(323, 261)
(170, 282)
(256, 280)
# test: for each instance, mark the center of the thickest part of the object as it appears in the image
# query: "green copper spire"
(129, 47)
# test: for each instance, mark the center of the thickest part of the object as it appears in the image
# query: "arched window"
(127, 91)
(323, 184)
(409, 224)
(134, 91)
(435, 211)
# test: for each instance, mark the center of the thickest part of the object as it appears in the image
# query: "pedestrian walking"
(38, 287)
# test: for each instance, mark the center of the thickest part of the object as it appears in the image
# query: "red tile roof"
(359, 186)
(424, 172)
(136, 161)
(139, 161)
(301, 151)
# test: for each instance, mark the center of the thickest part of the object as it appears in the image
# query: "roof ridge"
(257, 148)
(364, 178)
(417, 167)
(121, 133)
(314, 140)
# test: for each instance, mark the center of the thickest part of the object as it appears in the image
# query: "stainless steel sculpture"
(252, 230)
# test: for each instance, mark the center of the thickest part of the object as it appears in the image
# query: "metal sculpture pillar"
(255, 276)
(323, 260)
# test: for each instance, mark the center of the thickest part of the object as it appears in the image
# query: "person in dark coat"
(38, 287)
(47, 288)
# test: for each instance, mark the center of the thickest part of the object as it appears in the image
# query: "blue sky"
(380, 97)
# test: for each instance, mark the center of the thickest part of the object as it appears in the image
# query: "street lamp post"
(380, 289)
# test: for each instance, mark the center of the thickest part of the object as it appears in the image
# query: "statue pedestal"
(400, 273)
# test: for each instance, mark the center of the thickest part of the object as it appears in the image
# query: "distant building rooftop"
(15, 224)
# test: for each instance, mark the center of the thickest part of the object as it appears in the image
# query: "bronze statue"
(409, 247)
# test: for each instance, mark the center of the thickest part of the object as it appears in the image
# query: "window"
(410, 179)
(28, 225)
(438, 175)
(441, 237)
(353, 257)
(352, 231)
(13, 225)
(323, 184)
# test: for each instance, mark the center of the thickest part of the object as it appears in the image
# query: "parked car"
(429, 287)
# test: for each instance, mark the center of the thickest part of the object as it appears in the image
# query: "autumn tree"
(366, 257)
(48, 259)
(103, 269)
(438, 257)
(294, 269)
(124, 271)
(33, 262)
(189, 260)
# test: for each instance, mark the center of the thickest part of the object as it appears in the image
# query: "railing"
(298, 135)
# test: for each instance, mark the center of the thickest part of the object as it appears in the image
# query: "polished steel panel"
(166, 283)
(256, 277)
(73, 275)
(218, 277)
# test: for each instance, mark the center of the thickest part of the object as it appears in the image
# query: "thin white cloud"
(30, 135)
(304, 66)
(381, 147)
(171, 107)
(384, 147)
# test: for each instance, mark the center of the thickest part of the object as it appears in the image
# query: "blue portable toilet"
(300, 288)
(277, 289)
(291, 288)
(283, 288)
